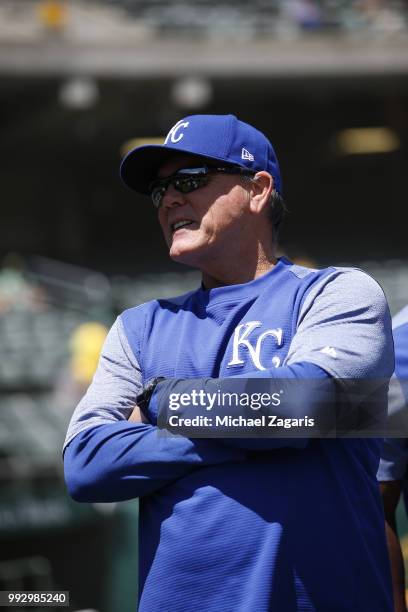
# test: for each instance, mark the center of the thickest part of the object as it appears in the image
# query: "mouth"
(180, 224)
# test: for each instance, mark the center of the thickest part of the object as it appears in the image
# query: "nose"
(172, 198)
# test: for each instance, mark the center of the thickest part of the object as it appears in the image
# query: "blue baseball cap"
(222, 138)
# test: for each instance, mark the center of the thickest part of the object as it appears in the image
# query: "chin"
(183, 258)
(186, 255)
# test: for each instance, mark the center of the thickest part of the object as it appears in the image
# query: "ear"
(262, 186)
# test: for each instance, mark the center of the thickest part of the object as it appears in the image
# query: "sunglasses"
(187, 180)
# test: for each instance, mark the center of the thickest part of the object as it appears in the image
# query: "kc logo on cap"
(173, 135)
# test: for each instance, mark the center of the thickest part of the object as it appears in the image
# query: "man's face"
(217, 215)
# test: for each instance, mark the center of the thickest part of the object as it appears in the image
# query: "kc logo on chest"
(246, 342)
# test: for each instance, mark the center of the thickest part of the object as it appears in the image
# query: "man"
(393, 469)
(237, 524)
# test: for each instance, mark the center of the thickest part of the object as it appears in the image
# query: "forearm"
(308, 396)
(397, 568)
(120, 461)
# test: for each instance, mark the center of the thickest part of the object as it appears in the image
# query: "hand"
(137, 416)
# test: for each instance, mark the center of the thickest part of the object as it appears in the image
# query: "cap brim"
(140, 166)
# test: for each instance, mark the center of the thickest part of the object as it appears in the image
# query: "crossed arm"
(131, 458)
(124, 460)
(127, 459)
(110, 458)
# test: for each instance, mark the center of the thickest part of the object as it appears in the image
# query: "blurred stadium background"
(80, 81)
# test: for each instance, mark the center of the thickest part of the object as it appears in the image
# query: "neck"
(234, 274)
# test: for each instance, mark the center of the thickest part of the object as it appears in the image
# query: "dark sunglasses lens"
(156, 194)
(184, 181)
(186, 184)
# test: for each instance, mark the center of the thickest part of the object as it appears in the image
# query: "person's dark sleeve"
(310, 398)
(122, 460)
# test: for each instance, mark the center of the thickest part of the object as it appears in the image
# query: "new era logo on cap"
(222, 138)
(247, 155)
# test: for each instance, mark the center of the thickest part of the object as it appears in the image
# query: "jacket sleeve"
(122, 460)
(310, 395)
